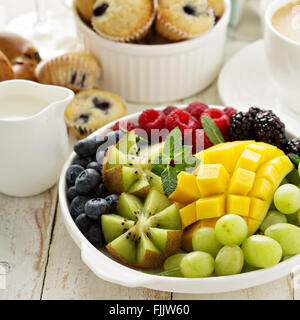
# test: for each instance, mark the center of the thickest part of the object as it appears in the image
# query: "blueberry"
(83, 161)
(94, 165)
(94, 235)
(94, 208)
(100, 10)
(77, 206)
(86, 148)
(99, 192)
(88, 180)
(100, 157)
(72, 193)
(113, 201)
(72, 173)
(188, 9)
(83, 222)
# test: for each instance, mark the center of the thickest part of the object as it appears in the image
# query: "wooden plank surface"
(25, 231)
(68, 278)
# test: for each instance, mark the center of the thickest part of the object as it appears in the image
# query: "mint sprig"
(294, 158)
(212, 131)
(174, 158)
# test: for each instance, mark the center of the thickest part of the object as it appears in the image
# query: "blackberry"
(293, 146)
(241, 126)
(270, 129)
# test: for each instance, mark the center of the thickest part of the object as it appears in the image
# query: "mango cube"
(253, 225)
(239, 205)
(259, 209)
(283, 165)
(269, 172)
(209, 222)
(188, 215)
(212, 207)
(249, 160)
(262, 189)
(187, 190)
(241, 182)
(212, 179)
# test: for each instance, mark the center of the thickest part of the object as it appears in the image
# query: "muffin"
(218, 6)
(74, 70)
(6, 71)
(183, 19)
(91, 110)
(85, 8)
(123, 20)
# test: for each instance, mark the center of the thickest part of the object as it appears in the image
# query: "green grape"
(197, 265)
(231, 229)
(229, 260)
(286, 258)
(288, 236)
(287, 199)
(261, 251)
(205, 240)
(272, 217)
(173, 262)
(298, 217)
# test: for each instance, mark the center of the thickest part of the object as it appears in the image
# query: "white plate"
(110, 270)
(245, 81)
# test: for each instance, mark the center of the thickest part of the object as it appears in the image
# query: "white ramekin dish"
(157, 73)
(110, 270)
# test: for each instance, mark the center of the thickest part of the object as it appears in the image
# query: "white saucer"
(245, 81)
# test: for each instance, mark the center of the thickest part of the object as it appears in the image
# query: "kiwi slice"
(143, 233)
(128, 169)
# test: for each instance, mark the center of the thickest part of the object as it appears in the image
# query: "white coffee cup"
(283, 56)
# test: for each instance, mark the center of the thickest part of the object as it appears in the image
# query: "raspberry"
(169, 110)
(219, 117)
(200, 141)
(152, 119)
(184, 121)
(129, 126)
(229, 111)
(196, 109)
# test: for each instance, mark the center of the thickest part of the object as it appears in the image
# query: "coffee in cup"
(286, 20)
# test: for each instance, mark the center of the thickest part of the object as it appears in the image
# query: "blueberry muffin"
(218, 6)
(91, 110)
(85, 8)
(123, 20)
(74, 70)
(183, 19)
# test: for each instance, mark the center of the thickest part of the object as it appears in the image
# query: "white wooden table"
(43, 262)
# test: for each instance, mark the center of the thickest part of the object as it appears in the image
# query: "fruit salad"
(197, 192)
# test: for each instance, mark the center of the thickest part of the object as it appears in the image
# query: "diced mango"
(209, 222)
(188, 215)
(187, 190)
(212, 179)
(239, 205)
(268, 172)
(241, 182)
(283, 165)
(212, 207)
(188, 236)
(262, 189)
(249, 160)
(258, 209)
(253, 225)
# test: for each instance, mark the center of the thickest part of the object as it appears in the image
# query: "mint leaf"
(173, 145)
(213, 132)
(294, 158)
(169, 180)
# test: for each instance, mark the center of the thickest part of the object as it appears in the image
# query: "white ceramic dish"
(254, 86)
(34, 140)
(157, 73)
(110, 270)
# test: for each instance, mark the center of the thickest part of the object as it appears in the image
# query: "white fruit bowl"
(106, 268)
(157, 73)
